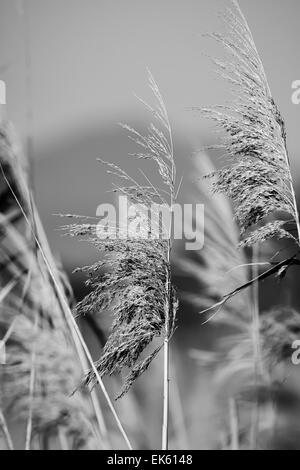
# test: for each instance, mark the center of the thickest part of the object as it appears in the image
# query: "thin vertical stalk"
(102, 433)
(31, 392)
(257, 359)
(25, 14)
(6, 433)
(165, 426)
(176, 411)
(234, 424)
(166, 380)
(68, 314)
(63, 441)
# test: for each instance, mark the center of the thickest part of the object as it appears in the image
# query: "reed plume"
(258, 177)
(133, 279)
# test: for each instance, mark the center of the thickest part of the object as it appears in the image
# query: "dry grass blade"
(277, 269)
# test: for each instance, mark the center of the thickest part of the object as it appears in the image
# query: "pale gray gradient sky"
(89, 56)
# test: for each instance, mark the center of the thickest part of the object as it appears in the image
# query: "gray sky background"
(88, 57)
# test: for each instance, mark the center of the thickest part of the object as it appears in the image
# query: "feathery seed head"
(258, 178)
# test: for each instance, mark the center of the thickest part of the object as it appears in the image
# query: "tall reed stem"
(5, 431)
(31, 392)
(166, 392)
(257, 359)
(176, 409)
(165, 426)
(234, 424)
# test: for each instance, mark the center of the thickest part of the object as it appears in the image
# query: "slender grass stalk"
(19, 258)
(234, 424)
(257, 359)
(78, 344)
(62, 439)
(4, 340)
(31, 398)
(7, 289)
(133, 278)
(176, 410)
(166, 382)
(69, 317)
(31, 393)
(6, 433)
(166, 379)
(74, 328)
(165, 424)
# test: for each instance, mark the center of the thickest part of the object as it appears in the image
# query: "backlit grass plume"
(134, 288)
(257, 178)
(133, 279)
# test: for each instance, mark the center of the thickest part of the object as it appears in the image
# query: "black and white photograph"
(149, 228)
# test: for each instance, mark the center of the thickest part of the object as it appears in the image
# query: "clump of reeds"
(42, 358)
(257, 178)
